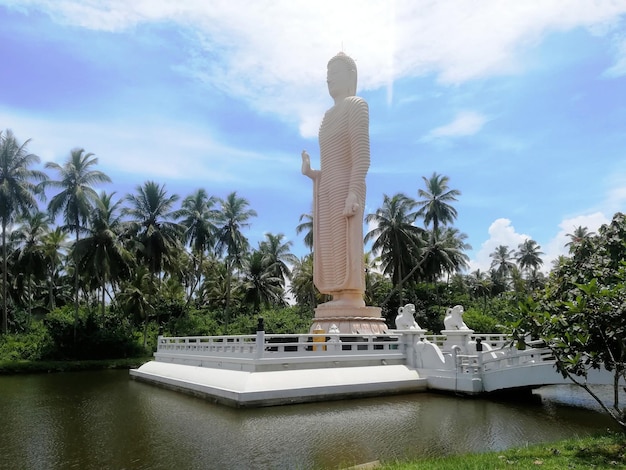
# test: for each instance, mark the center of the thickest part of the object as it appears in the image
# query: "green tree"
(152, 226)
(395, 239)
(444, 253)
(18, 189)
(199, 220)
(54, 247)
(302, 287)
(579, 235)
(31, 255)
(307, 228)
(435, 204)
(233, 218)
(76, 199)
(277, 256)
(581, 315)
(102, 254)
(260, 283)
(502, 262)
(528, 256)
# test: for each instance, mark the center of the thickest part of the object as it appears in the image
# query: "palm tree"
(234, 217)
(307, 227)
(198, 219)
(261, 285)
(480, 286)
(152, 226)
(135, 297)
(435, 203)
(302, 287)
(395, 237)
(17, 195)
(102, 254)
(502, 261)
(54, 245)
(372, 266)
(579, 235)
(76, 199)
(444, 253)
(528, 255)
(31, 256)
(277, 256)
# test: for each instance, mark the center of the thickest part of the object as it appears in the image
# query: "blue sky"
(521, 104)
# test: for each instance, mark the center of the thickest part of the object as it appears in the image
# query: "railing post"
(260, 339)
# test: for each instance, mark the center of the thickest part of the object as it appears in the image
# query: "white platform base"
(255, 389)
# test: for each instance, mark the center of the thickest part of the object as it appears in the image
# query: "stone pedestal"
(459, 338)
(350, 320)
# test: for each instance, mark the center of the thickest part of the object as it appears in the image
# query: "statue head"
(341, 76)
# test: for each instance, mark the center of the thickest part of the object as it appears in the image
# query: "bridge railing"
(486, 361)
(495, 340)
(275, 345)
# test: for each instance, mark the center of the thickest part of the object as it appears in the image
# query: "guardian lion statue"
(454, 319)
(405, 319)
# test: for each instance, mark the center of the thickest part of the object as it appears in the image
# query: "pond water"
(104, 420)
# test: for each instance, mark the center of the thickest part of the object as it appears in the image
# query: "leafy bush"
(480, 322)
(32, 345)
(97, 336)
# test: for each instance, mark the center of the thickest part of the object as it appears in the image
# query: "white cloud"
(273, 54)
(501, 232)
(556, 247)
(465, 123)
(152, 150)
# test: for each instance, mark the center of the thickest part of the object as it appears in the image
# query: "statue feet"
(345, 300)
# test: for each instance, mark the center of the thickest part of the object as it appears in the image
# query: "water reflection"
(104, 420)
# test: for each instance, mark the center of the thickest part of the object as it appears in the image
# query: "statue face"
(339, 79)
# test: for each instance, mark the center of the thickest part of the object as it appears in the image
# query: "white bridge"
(263, 370)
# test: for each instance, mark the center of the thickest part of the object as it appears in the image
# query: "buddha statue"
(339, 189)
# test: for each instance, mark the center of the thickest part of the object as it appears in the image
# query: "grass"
(605, 451)
(27, 367)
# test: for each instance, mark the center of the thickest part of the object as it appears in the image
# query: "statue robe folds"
(344, 161)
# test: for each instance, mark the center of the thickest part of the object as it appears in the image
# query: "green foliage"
(479, 322)
(608, 451)
(195, 323)
(97, 336)
(288, 320)
(33, 344)
(581, 315)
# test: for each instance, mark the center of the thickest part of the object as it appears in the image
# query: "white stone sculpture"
(454, 319)
(339, 189)
(406, 318)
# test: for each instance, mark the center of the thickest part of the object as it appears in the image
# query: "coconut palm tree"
(444, 253)
(102, 254)
(29, 236)
(260, 284)
(277, 256)
(480, 286)
(199, 222)
(502, 261)
(528, 255)
(307, 227)
(18, 189)
(302, 287)
(54, 247)
(152, 226)
(435, 203)
(135, 297)
(395, 237)
(76, 199)
(233, 218)
(579, 235)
